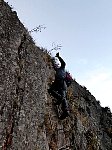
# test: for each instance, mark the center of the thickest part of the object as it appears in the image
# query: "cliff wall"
(28, 119)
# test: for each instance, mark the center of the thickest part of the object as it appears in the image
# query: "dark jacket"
(60, 72)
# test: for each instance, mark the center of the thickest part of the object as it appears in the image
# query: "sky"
(83, 28)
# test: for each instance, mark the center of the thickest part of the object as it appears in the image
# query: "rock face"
(28, 120)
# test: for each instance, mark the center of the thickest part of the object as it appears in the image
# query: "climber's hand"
(57, 55)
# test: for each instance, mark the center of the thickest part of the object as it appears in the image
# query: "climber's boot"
(64, 115)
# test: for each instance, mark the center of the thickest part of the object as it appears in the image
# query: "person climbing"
(58, 88)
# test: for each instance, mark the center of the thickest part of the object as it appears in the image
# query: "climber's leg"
(61, 91)
(55, 94)
(65, 107)
(54, 90)
(65, 110)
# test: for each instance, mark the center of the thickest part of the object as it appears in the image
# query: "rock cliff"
(28, 120)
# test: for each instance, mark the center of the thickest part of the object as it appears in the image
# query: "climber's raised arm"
(63, 64)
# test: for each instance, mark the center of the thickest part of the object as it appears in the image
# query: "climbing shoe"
(58, 102)
(64, 115)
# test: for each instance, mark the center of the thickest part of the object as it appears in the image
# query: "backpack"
(68, 79)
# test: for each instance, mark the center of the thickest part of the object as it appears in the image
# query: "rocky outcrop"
(28, 119)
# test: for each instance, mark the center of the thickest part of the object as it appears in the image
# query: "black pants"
(58, 90)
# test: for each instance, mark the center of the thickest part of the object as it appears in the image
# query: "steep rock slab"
(27, 116)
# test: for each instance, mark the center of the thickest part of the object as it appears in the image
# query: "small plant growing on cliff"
(85, 88)
(48, 58)
(10, 6)
(38, 29)
(55, 47)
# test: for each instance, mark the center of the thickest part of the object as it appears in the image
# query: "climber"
(58, 88)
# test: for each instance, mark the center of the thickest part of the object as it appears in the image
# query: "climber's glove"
(57, 55)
